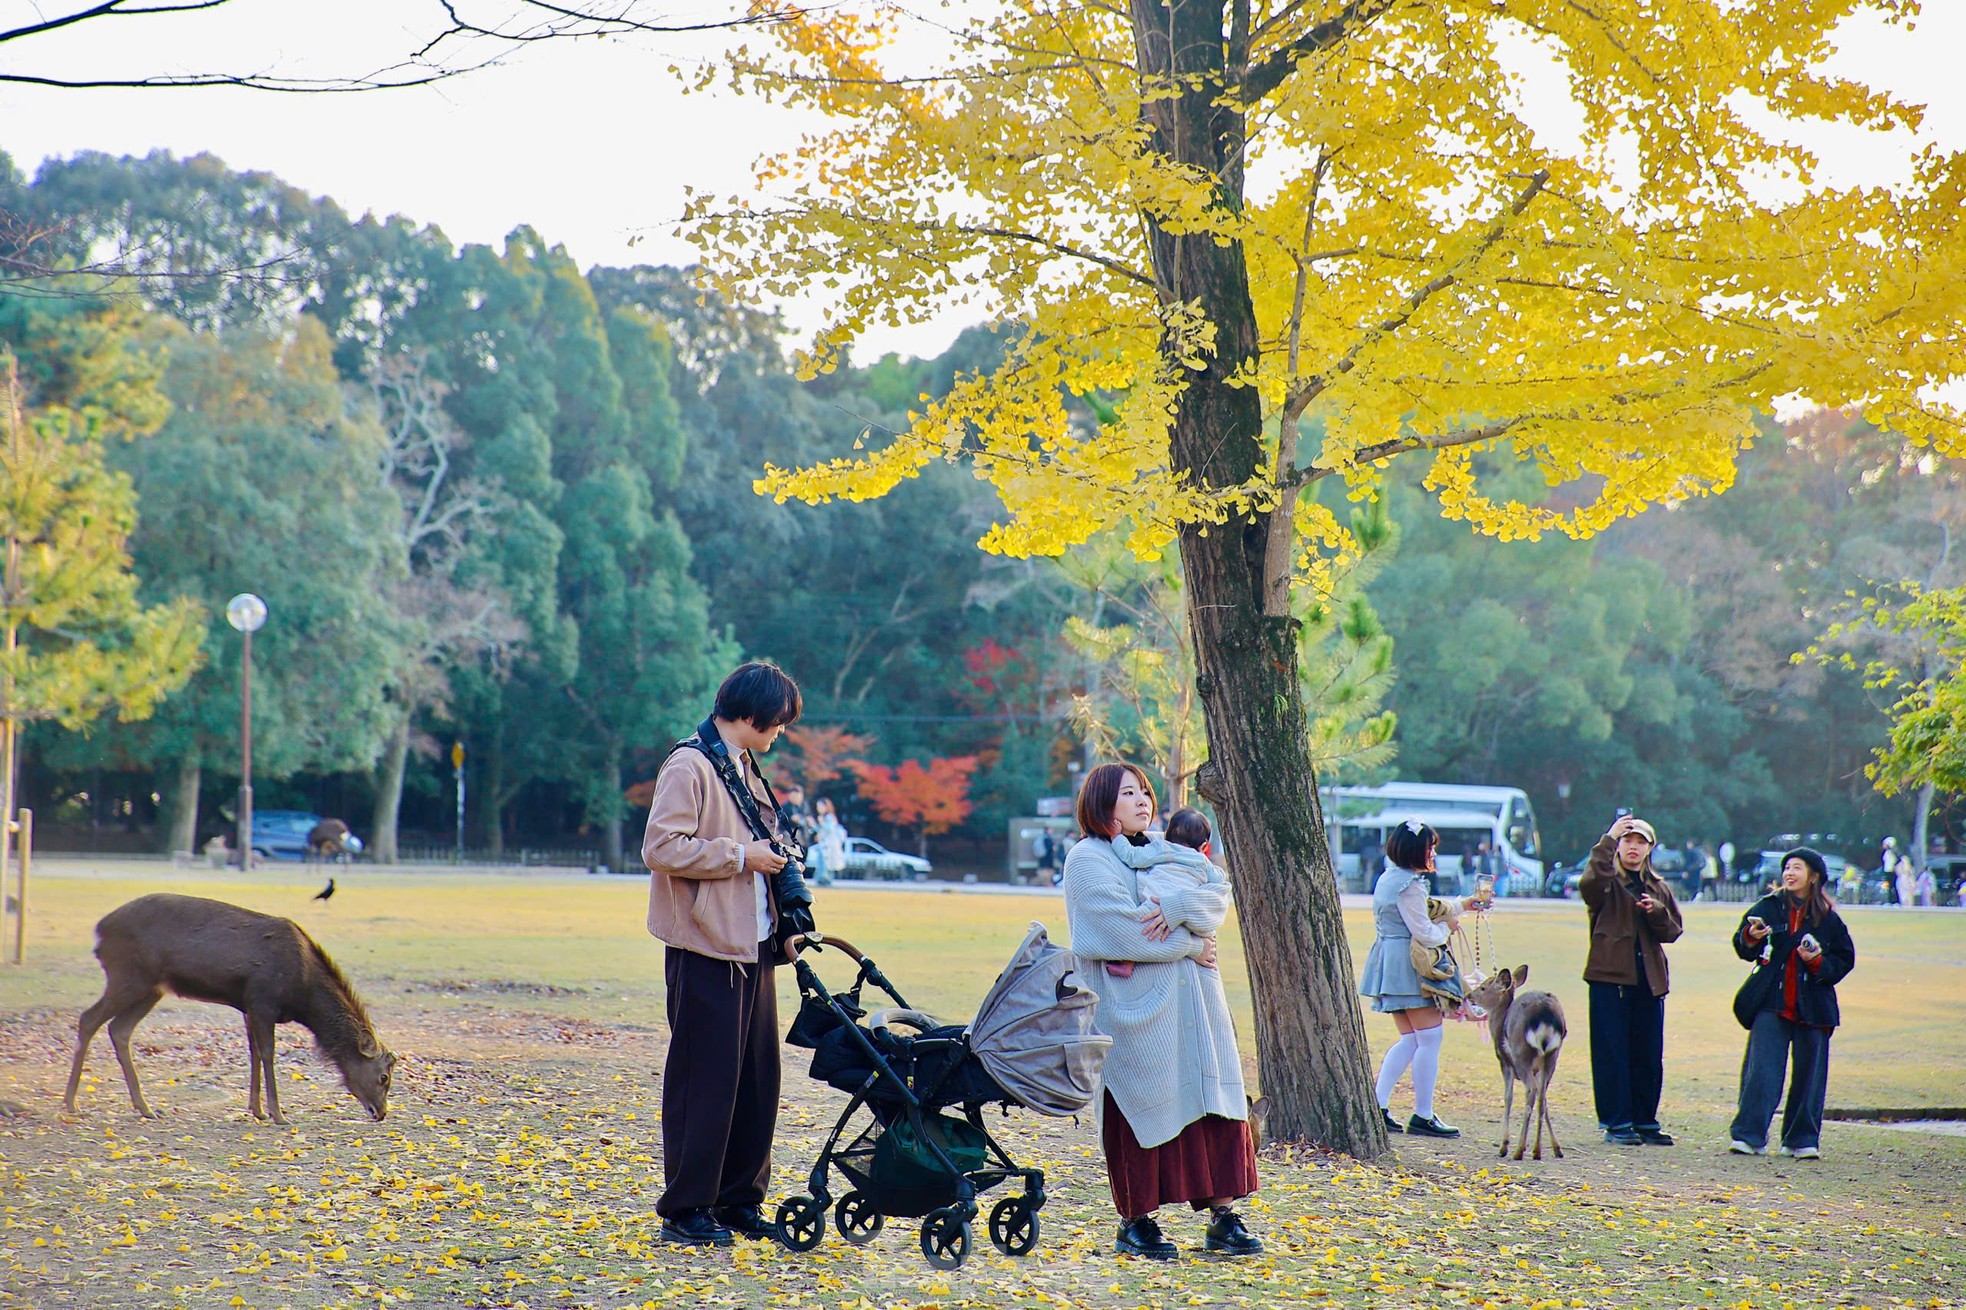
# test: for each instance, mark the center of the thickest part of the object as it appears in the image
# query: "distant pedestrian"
(1632, 918)
(830, 842)
(1788, 1005)
(1928, 888)
(1907, 881)
(1045, 850)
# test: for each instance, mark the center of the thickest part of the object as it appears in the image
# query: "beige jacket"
(700, 897)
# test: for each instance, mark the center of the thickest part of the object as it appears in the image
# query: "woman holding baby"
(1173, 1115)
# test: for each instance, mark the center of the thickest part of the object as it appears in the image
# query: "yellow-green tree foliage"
(1428, 272)
(77, 642)
(1299, 238)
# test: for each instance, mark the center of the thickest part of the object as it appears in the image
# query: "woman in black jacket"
(1788, 1005)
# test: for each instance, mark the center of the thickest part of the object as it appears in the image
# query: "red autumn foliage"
(934, 799)
(823, 753)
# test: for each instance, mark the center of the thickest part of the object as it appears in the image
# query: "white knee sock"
(1426, 1071)
(1398, 1056)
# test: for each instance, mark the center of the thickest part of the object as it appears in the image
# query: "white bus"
(1464, 816)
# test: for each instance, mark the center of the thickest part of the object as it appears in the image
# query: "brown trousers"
(720, 1085)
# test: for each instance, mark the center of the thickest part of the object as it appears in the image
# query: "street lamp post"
(246, 612)
(457, 765)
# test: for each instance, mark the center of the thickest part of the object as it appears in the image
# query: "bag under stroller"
(911, 1141)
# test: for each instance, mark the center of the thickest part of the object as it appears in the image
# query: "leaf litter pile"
(520, 1165)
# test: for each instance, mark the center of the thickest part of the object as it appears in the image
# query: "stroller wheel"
(801, 1222)
(1014, 1225)
(945, 1238)
(857, 1218)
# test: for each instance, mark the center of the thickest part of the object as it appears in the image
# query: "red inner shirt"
(1789, 976)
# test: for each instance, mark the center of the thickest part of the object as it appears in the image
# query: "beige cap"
(1644, 829)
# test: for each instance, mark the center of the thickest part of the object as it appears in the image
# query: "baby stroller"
(911, 1141)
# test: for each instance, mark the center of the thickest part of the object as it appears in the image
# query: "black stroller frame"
(893, 1100)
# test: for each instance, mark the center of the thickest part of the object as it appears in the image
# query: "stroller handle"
(814, 940)
(894, 1014)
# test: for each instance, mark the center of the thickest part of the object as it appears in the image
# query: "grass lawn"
(519, 1164)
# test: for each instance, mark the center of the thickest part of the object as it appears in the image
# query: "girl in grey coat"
(1399, 913)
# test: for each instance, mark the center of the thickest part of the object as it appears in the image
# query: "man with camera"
(727, 897)
(1632, 916)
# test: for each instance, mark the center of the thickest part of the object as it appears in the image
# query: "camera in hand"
(792, 896)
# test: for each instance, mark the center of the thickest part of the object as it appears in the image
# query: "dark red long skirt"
(1213, 1157)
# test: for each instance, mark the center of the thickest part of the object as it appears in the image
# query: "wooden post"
(25, 826)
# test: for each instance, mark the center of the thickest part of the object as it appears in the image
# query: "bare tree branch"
(1268, 73)
(454, 39)
(1302, 393)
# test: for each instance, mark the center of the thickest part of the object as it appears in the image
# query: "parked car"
(282, 834)
(867, 858)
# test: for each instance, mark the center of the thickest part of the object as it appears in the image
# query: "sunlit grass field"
(519, 1163)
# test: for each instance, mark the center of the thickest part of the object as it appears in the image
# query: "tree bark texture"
(1310, 1031)
(184, 803)
(387, 815)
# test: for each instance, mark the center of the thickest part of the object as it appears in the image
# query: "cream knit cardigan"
(1174, 1055)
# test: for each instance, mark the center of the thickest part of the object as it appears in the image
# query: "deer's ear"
(1521, 974)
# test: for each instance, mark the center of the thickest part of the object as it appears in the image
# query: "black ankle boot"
(1227, 1236)
(1142, 1237)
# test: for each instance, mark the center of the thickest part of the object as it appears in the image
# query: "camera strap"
(707, 740)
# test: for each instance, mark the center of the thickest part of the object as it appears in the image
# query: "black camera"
(793, 897)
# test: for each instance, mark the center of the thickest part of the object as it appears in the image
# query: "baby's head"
(1188, 827)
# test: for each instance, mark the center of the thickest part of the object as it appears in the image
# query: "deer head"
(1495, 994)
(367, 1078)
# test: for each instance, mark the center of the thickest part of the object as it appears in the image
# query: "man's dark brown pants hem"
(720, 1084)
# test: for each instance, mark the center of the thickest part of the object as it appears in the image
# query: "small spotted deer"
(267, 968)
(1528, 1029)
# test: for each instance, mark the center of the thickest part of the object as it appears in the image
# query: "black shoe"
(745, 1220)
(1623, 1137)
(1655, 1137)
(1227, 1236)
(1392, 1124)
(1142, 1237)
(695, 1228)
(1432, 1127)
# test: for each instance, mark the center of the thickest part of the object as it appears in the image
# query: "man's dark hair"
(1407, 845)
(1188, 826)
(761, 693)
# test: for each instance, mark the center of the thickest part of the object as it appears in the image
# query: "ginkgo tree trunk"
(1288, 241)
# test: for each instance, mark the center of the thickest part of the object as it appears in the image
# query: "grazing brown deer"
(1528, 1029)
(267, 968)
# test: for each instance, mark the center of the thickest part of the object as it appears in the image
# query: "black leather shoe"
(1142, 1237)
(745, 1220)
(695, 1228)
(1430, 1127)
(1623, 1137)
(1392, 1124)
(1227, 1236)
(1655, 1137)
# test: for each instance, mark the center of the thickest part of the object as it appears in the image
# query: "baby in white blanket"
(1185, 827)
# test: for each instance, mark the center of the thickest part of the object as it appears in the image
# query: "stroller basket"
(901, 1151)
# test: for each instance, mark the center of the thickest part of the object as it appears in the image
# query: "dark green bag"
(903, 1160)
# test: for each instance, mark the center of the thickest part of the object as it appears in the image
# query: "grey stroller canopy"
(1035, 1032)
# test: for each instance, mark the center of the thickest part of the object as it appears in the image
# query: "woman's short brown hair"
(1100, 796)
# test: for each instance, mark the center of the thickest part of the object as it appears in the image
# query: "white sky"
(591, 142)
